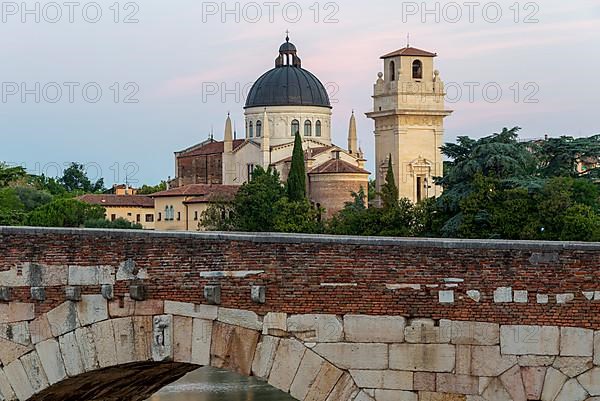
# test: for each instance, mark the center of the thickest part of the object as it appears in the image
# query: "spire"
(228, 137)
(352, 136)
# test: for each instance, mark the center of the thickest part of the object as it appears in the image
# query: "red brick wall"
(297, 266)
(203, 169)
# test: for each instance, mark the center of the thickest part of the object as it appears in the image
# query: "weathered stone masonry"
(322, 318)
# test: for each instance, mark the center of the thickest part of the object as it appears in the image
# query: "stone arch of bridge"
(95, 349)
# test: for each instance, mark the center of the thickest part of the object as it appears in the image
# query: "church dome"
(288, 84)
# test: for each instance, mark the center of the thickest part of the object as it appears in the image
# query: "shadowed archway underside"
(132, 382)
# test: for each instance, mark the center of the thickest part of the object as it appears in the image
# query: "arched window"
(392, 71)
(251, 130)
(258, 129)
(167, 214)
(318, 128)
(295, 127)
(417, 69)
(307, 128)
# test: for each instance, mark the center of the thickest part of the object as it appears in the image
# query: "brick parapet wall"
(437, 279)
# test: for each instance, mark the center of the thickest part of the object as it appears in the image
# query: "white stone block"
(521, 297)
(306, 375)
(503, 295)
(71, 355)
(475, 295)
(264, 357)
(6, 389)
(35, 371)
(488, 361)
(597, 348)
(564, 298)
(530, 340)
(92, 309)
(287, 360)
(87, 348)
(316, 328)
(572, 391)
(275, 324)
(423, 357)
(591, 381)
(576, 342)
(474, 333)
(424, 331)
(553, 383)
(395, 395)
(49, 353)
(383, 379)
(242, 318)
(124, 340)
(205, 312)
(446, 297)
(104, 339)
(83, 275)
(63, 319)
(377, 329)
(201, 341)
(18, 378)
(355, 355)
(543, 298)
(162, 344)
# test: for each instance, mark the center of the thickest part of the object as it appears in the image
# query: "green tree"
(65, 213)
(9, 175)
(218, 217)
(254, 204)
(32, 198)
(152, 189)
(389, 190)
(296, 182)
(75, 179)
(297, 217)
(580, 223)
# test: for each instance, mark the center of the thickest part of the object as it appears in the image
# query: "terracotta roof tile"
(203, 191)
(336, 166)
(118, 200)
(211, 148)
(410, 51)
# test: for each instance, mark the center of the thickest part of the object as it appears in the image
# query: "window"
(113, 217)
(392, 71)
(258, 129)
(128, 214)
(307, 128)
(196, 215)
(178, 216)
(419, 189)
(250, 171)
(150, 218)
(417, 69)
(251, 130)
(318, 128)
(167, 213)
(295, 127)
(159, 216)
(138, 218)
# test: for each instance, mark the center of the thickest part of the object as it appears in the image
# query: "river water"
(208, 384)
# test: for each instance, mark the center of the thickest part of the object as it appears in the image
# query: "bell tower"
(409, 112)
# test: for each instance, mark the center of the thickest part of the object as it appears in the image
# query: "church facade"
(285, 100)
(408, 111)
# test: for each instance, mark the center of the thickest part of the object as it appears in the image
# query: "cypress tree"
(296, 183)
(389, 190)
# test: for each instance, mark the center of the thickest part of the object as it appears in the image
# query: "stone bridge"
(109, 315)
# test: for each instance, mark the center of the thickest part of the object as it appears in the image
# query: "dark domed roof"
(288, 84)
(287, 47)
(285, 86)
